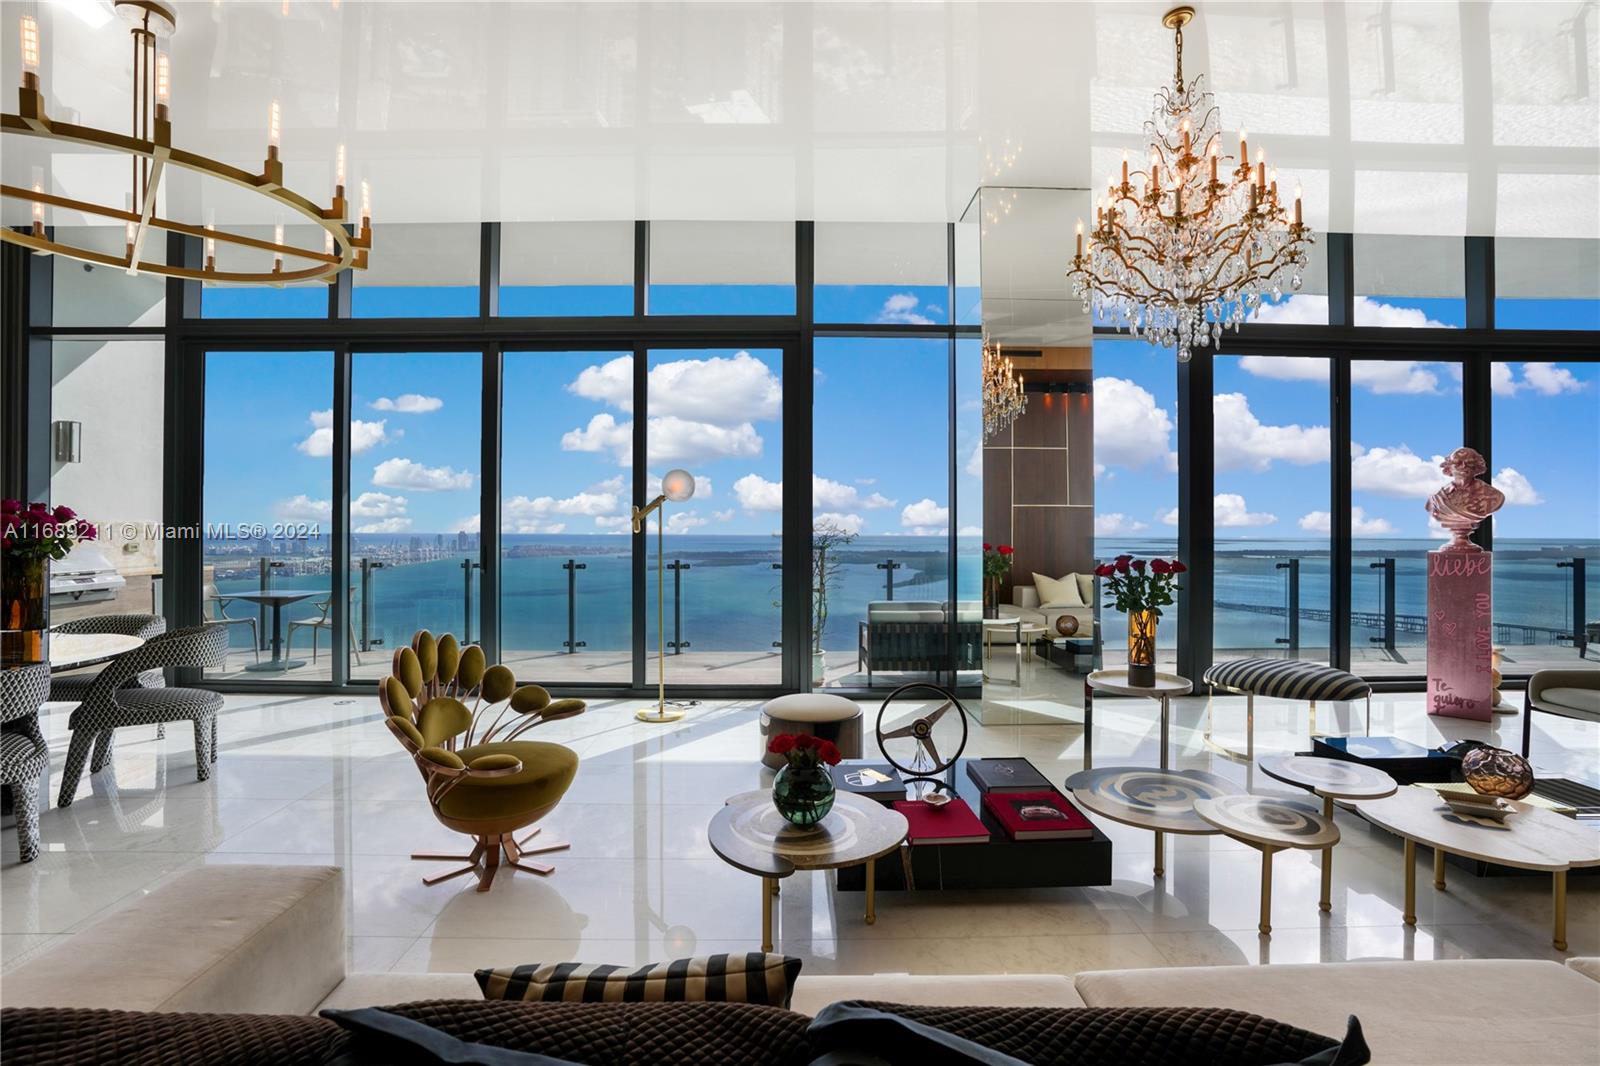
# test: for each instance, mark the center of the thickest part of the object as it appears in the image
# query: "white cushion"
(387, 989)
(812, 993)
(1455, 1011)
(1058, 592)
(1025, 595)
(811, 707)
(1086, 588)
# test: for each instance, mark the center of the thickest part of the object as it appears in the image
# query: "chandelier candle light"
(1003, 398)
(150, 151)
(1195, 243)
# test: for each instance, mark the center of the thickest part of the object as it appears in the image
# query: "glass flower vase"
(1142, 648)
(803, 794)
(24, 610)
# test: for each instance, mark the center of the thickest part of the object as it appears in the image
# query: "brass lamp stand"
(677, 486)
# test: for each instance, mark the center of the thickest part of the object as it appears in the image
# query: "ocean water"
(728, 597)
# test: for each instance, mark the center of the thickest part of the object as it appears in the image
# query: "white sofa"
(1025, 605)
(271, 939)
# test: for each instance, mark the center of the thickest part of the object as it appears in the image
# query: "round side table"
(1331, 779)
(1116, 682)
(1269, 825)
(1159, 800)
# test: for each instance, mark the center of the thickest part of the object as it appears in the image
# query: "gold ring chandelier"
(1003, 397)
(1194, 244)
(150, 149)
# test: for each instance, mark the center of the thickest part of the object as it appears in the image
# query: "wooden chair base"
(485, 859)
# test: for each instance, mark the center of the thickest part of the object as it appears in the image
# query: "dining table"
(277, 599)
(71, 651)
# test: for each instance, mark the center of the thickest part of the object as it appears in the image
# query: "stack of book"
(876, 781)
(948, 823)
(1020, 799)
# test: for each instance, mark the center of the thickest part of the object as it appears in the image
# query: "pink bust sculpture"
(1462, 505)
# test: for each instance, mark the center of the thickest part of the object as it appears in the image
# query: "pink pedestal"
(1460, 634)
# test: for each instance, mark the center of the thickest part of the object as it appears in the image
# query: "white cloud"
(363, 435)
(1231, 513)
(1518, 489)
(1395, 376)
(303, 508)
(603, 433)
(683, 521)
(410, 403)
(723, 516)
(974, 467)
(849, 523)
(395, 524)
(756, 493)
(1395, 471)
(924, 514)
(866, 481)
(720, 390)
(616, 523)
(1243, 442)
(1501, 381)
(969, 531)
(1170, 518)
(1130, 430)
(1115, 523)
(377, 505)
(1548, 379)
(465, 525)
(676, 441)
(831, 494)
(1360, 524)
(408, 474)
(1309, 309)
(522, 514)
(902, 307)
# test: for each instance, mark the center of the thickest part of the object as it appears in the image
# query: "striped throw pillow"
(751, 978)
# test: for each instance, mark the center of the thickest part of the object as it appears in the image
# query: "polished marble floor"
(319, 780)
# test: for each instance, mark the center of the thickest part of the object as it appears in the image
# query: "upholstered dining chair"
(23, 755)
(459, 720)
(72, 688)
(110, 706)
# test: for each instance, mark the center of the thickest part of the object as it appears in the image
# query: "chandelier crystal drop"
(1003, 396)
(1197, 242)
(150, 151)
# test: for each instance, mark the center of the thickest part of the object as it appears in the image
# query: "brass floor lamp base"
(660, 713)
(485, 859)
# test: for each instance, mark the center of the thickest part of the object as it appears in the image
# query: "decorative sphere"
(1066, 625)
(1497, 772)
(678, 485)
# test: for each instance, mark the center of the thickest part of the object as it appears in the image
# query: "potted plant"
(30, 537)
(1139, 588)
(827, 538)
(803, 789)
(996, 565)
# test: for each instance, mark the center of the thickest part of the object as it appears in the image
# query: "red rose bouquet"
(804, 751)
(1139, 585)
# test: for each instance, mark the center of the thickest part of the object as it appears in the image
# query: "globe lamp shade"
(678, 485)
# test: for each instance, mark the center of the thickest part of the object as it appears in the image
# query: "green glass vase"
(803, 794)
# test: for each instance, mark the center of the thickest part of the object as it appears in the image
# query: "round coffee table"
(1269, 825)
(1331, 779)
(749, 834)
(1116, 682)
(1159, 800)
(1530, 838)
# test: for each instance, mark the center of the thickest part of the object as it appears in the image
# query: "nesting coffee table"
(1269, 825)
(1159, 800)
(1331, 779)
(749, 834)
(1530, 838)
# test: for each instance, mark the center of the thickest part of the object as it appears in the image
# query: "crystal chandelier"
(1003, 398)
(150, 152)
(1198, 241)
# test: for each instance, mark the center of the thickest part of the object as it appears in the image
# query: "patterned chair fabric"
(74, 687)
(109, 705)
(1287, 679)
(23, 755)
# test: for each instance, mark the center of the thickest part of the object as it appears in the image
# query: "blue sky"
(880, 427)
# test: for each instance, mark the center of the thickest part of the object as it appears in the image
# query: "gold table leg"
(1411, 882)
(1559, 887)
(1438, 867)
(769, 886)
(1325, 904)
(872, 894)
(1161, 853)
(1265, 924)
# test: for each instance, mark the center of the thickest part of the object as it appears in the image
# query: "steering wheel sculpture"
(918, 748)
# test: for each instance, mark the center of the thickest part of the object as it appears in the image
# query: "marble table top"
(1270, 822)
(68, 651)
(750, 834)
(1530, 838)
(1149, 798)
(1334, 778)
(1117, 681)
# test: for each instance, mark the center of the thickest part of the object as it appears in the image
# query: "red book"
(953, 823)
(1038, 816)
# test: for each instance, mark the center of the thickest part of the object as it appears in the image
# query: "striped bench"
(1285, 679)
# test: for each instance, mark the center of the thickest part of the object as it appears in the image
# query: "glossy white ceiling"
(1430, 118)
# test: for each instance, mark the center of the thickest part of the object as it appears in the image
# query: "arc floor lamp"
(677, 486)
